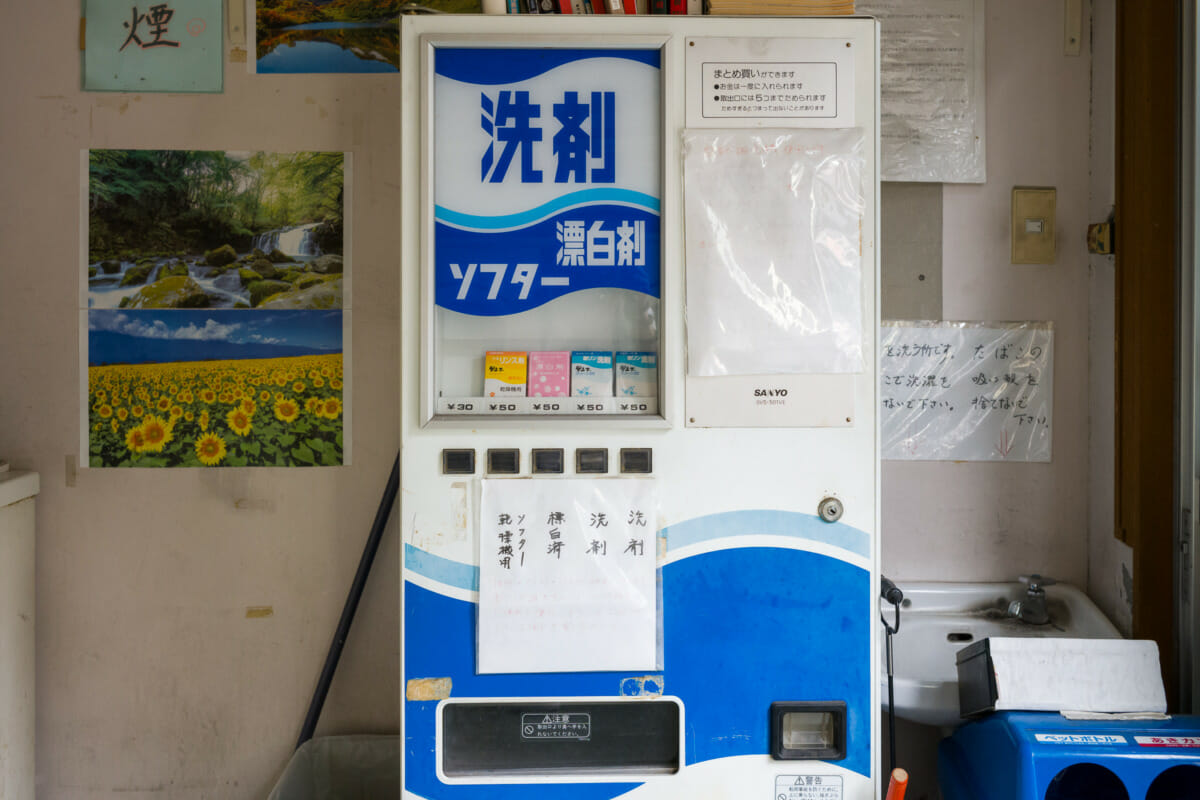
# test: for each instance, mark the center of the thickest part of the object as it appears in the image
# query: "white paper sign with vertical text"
(966, 391)
(567, 576)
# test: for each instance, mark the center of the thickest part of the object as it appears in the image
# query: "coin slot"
(591, 460)
(458, 462)
(547, 461)
(506, 461)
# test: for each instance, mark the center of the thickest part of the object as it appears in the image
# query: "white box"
(1058, 674)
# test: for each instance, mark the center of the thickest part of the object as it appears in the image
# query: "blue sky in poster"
(141, 337)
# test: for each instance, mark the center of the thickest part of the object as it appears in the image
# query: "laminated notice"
(966, 391)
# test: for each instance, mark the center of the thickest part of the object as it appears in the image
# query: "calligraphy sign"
(153, 46)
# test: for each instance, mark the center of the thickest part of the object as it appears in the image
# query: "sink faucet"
(1033, 608)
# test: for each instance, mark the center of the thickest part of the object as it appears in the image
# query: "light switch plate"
(1033, 225)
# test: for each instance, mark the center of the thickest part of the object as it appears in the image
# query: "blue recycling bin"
(1045, 756)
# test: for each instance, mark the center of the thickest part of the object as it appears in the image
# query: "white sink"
(939, 619)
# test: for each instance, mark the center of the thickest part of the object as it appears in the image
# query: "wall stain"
(247, 504)
(259, 612)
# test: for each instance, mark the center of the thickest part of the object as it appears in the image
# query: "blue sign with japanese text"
(547, 175)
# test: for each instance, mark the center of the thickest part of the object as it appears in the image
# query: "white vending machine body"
(639, 455)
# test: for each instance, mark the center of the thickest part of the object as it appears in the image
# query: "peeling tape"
(428, 689)
(642, 686)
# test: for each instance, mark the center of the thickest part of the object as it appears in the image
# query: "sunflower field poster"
(215, 309)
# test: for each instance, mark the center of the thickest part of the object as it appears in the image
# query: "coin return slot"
(503, 462)
(808, 730)
(548, 461)
(636, 460)
(458, 462)
(591, 461)
(960, 637)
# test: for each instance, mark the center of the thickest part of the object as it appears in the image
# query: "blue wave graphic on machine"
(742, 627)
(582, 246)
(482, 66)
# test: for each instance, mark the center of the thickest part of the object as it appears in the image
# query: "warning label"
(776, 89)
(808, 787)
(556, 726)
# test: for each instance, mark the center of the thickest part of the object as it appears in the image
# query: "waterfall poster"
(215, 309)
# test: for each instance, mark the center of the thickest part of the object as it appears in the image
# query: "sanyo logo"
(770, 392)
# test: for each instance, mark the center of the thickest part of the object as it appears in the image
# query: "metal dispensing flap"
(584, 737)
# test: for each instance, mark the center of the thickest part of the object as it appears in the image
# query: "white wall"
(994, 521)
(152, 682)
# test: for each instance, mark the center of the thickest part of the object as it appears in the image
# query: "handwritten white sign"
(567, 579)
(966, 391)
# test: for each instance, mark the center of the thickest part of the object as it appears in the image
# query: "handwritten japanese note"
(966, 391)
(567, 579)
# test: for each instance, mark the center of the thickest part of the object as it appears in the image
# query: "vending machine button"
(636, 460)
(591, 460)
(505, 461)
(458, 462)
(547, 461)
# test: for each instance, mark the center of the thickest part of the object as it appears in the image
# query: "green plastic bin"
(342, 768)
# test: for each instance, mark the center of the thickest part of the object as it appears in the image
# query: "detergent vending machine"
(639, 470)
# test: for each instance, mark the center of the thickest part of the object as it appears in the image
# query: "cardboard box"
(591, 373)
(504, 374)
(637, 374)
(550, 373)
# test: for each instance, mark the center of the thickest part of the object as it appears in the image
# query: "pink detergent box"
(550, 373)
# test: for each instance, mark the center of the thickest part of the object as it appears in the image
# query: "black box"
(976, 679)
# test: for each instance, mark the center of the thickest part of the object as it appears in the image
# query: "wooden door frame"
(1147, 224)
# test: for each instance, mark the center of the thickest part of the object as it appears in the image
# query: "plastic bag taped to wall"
(773, 249)
(966, 391)
(931, 89)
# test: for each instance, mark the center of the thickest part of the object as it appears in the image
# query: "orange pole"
(898, 784)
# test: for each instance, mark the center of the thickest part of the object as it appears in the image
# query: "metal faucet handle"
(1036, 582)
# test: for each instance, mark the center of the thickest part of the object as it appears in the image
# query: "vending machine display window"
(543, 254)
